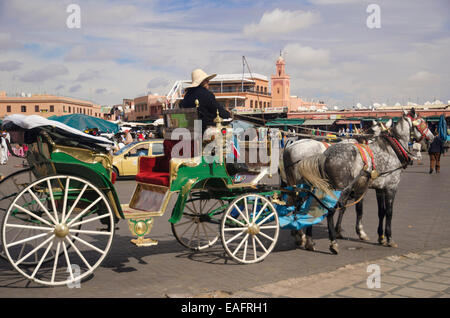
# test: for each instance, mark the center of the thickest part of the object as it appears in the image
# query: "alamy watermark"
(250, 146)
(75, 270)
(374, 19)
(74, 19)
(374, 279)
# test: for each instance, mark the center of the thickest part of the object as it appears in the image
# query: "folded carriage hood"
(35, 121)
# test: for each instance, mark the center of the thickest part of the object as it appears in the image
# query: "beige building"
(148, 107)
(45, 105)
(241, 91)
(238, 92)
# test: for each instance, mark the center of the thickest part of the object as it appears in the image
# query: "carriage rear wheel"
(10, 187)
(198, 228)
(45, 219)
(250, 228)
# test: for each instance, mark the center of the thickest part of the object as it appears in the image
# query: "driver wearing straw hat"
(208, 105)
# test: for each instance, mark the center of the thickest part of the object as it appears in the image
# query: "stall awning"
(347, 122)
(319, 122)
(385, 120)
(282, 122)
(432, 118)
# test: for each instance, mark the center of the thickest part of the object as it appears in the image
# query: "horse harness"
(400, 151)
(363, 149)
(421, 126)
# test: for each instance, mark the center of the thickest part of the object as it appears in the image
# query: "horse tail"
(311, 171)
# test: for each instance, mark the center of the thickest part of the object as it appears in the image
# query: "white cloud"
(100, 91)
(75, 88)
(279, 22)
(157, 82)
(88, 75)
(423, 77)
(324, 2)
(325, 73)
(85, 52)
(300, 55)
(9, 66)
(45, 73)
(8, 42)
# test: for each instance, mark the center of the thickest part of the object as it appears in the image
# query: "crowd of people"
(126, 137)
(19, 149)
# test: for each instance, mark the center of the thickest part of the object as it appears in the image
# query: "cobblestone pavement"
(413, 275)
(424, 275)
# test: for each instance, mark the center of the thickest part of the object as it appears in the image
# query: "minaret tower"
(280, 85)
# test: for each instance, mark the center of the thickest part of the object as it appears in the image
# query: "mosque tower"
(280, 85)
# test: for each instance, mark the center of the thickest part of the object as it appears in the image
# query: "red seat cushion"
(155, 170)
(158, 178)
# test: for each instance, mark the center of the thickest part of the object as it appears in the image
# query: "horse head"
(378, 127)
(417, 125)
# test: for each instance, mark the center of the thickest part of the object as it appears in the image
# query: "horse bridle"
(420, 124)
(402, 153)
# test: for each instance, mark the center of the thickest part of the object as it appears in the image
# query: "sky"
(126, 49)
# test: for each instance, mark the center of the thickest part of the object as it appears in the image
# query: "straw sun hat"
(198, 76)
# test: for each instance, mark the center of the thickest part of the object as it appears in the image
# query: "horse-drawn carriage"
(59, 219)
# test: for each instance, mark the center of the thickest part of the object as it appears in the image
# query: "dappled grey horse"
(290, 175)
(352, 170)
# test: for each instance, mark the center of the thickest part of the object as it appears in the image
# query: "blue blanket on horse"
(311, 211)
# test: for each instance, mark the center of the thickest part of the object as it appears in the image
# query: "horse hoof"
(334, 248)
(300, 240)
(392, 244)
(382, 240)
(309, 246)
(364, 237)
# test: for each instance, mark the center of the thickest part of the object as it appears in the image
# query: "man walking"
(435, 151)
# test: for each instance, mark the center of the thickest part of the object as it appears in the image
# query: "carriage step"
(130, 213)
(140, 224)
(142, 242)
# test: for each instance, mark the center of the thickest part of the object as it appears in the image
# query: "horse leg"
(309, 245)
(330, 218)
(299, 237)
(381, 215)
(359, 227)
(389, 204)
(339, 229)
(331, 232)
(345, 195)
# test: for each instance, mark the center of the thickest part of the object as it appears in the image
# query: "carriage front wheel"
(64, 216)
(250, 228)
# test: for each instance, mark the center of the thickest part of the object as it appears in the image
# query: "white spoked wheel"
(63, 225)
(250, 228)
(198, 228)
(10, 187)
